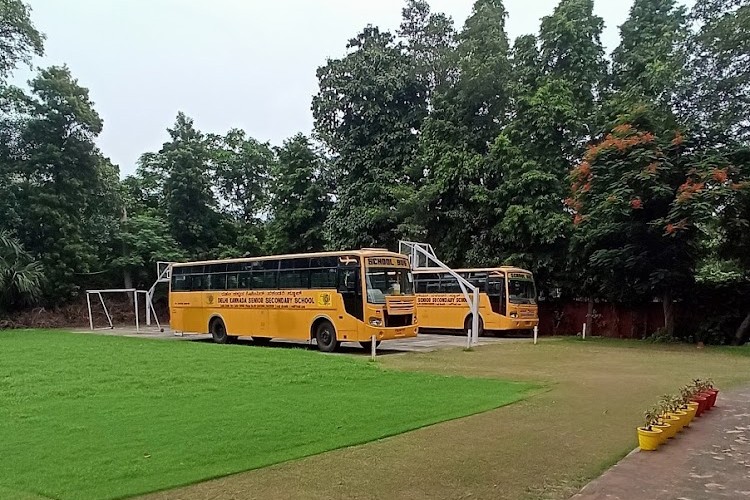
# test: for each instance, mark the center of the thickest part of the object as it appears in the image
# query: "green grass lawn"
(544, 447)
(88, 416)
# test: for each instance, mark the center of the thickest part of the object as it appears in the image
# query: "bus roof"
(364, 252)
(503, 269)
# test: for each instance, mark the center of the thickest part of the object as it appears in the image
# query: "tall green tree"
(58, 176)
(650, 59)
(368, 124)
(19, 38)
(430, 42)
(465, 119)
(192, 207)
(572, 54)
(299, 198)
(715, 97)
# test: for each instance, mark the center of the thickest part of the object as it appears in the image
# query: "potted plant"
(671, 405)
(666, 417)
(659, 423)
(712, 392)
(698, 397)
(687, 405)
(649, 436)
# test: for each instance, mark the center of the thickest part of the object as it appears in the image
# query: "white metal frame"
(417, 250)
(135, 292)
(164, 274)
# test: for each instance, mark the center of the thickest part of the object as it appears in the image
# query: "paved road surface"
(422, 343)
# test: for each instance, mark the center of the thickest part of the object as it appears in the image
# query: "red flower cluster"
(636, 203)
(688, 189)
(652, 167)
(629, 140)
(577, 219)
(720, 175)
(678, 139)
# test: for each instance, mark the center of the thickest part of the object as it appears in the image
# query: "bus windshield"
(521, 291)
(387, 281)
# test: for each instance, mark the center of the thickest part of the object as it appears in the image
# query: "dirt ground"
(547, 446)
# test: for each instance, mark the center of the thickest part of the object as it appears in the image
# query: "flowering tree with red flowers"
(715, 199)
(621, 194)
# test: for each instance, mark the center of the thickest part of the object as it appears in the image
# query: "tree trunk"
(668, 305)
(740, 337)
(589, 318)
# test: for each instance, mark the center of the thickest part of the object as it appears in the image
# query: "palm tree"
(20, 276)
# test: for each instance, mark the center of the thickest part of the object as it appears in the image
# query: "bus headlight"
(514, 315)
(376, 322)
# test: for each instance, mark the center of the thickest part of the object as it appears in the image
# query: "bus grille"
(400, 306)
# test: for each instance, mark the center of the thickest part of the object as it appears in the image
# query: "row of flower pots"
(675, 412)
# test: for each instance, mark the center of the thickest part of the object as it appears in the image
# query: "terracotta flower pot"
(712, 393)
(701, 404)
(649, 440)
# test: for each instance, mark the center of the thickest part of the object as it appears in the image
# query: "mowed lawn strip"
(546, 446)
(88, 416)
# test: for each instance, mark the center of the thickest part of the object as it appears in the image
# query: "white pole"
(148, 310)
(109, 318)
(373, 347)
(135, 299)
(536, 333)
(88, 303)
(584, 331)
(475, 318)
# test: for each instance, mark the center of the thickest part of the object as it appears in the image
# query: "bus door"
(496, 293)
(350, 288)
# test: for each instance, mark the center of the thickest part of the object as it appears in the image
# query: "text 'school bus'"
(507, 299)
(332, 297)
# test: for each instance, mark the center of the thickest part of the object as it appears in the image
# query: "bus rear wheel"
(219, 332)
(467, 325)
(325, 335)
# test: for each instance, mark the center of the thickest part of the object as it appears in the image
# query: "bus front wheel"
(219, 332)
(467, 325)
(325, 335)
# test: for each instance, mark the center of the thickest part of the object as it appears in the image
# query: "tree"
(649, 60)
(715, 98)
(19, 39)
(430, 41)
(299, 199)
(466, 118)
(142, 241)
(714, 199)
(369, 124)
(622, 191)
(192, 213)
(58, 178)
(571, 52)
(21, 278)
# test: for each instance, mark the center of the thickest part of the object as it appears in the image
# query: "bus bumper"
(390, 333)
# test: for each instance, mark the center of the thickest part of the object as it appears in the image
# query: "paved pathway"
(422, 343)
(710, 460)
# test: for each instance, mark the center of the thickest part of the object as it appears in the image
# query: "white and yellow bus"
(331, 297)
(507, 299)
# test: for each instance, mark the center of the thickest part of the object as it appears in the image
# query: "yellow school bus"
(331, 297)
(507, 299)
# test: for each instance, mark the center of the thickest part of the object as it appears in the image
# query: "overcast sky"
(248, 64)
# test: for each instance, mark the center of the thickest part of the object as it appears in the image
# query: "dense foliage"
(622, 178)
